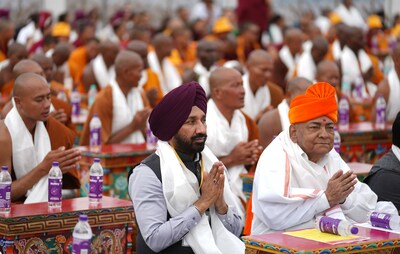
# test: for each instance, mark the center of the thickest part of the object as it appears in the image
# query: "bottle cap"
(97, 160)
(83, 217)
(55, 164)
(354, 230)
(93, 86)
(4, 168)
(95, 115)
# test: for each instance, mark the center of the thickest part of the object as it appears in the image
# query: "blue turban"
(174, 109)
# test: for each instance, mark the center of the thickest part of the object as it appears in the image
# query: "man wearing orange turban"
(299, 176)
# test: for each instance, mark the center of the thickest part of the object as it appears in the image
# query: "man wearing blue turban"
(181, 197)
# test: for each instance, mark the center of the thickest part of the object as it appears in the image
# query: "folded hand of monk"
(67, 159)
(246, 153)
(140, 119)
(340, 186)
(212, 189)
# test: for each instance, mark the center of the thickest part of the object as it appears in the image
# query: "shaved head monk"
(180, 193)
(284, 66)
(235, 140)
(300, 176)
(122, 106)
(262, 94)
(149, 81)
(30, 140)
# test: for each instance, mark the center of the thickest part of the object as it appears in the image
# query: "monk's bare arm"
(21, 186)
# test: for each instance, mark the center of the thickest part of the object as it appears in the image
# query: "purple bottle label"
(359, 88)
(96, 187)
(76, 108)
(343, 116)
(381, 220)
(380, 115)
(329, 225)
(336, 145)
(95, 137)
(80, 246)
(5, 195)
(55, 187)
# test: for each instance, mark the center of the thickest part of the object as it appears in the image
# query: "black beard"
(189, 146)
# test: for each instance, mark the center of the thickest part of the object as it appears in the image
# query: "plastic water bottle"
(151, 140)
(96, 182)
(76, 105)
(344, 113)
(358, 88)
(385, 220)
(380, 106)
(335, 226)
(388, 65)
(346, 85)
(95, 134)
(55, 186)
(92, 94)
(62, 96)
(5, 190)
(82, 236)
(336, 140)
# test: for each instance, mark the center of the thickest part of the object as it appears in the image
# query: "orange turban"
(319, 100)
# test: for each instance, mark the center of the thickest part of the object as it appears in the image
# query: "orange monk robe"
(243, 50)
(153, 83)
(56, 87)
(6, 90)
(3, 56)
(254, 133)
(76, 63)
(329, 55)
(60, 136)
(103, 107)
(186, 59)
(377, 74)
(60, 104)
(277, 94)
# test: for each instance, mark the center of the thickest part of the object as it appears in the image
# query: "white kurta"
(223, 140)
(289, 190)
(255, 103)
(306, 67)
(393, 104)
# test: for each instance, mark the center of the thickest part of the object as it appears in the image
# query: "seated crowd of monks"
(249, 83)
